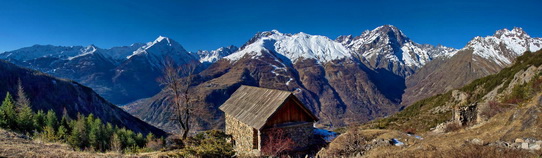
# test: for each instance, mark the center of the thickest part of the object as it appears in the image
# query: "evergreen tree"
(8, 115)
(65, 121)
(140, 140)
(62, 133)
(78, 136)
(49, 134)
(51, 120)
(94, 135)
(25, 119)
(39, 120)
(107, 133)
(150, 137)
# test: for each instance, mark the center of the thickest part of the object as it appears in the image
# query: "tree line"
(83, 133)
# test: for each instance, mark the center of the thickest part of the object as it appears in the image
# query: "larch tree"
(177, 89)
(25, 117)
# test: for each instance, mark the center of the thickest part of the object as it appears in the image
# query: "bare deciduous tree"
(177, 89)
(276, 142)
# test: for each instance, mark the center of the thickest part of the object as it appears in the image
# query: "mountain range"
(349, 80)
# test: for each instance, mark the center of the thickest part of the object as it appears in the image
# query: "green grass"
(419, 117)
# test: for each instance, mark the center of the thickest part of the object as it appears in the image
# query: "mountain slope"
(320, 71)
(113, 73)
(386, 47)
(495, 116)
(481, 57)
(46, 92)
(510, 86)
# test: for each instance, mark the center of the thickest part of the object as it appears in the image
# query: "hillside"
(17, 145)
(482, 56)
(49, 93)
(496, 115)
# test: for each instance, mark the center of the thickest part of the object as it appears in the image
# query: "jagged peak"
(503, 45)
(161, 38)
(294, 47)
(161, 46)
(515, 32)
(89, 49)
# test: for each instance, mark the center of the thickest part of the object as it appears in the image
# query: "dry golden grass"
(13, 146)
(521, 122)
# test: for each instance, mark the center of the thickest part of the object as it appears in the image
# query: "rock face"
(386, 47)
(481, 57)
(49, 93)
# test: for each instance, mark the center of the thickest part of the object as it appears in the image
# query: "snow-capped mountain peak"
(294, 47)
(91, 49)
(516, 32)
(162, 46)
(214, 55)
(387, 44)
(504, 45)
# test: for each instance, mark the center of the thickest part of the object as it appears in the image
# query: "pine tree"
(49, 134)
(94, 135)
(107, 133)
(78, 136)
(65, 121)
(39, 120)
(62, 133)
(25, 119)
(140, 140)
(8, 115)
(150, 137)
(51, 120)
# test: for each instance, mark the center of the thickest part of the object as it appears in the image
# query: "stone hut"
(252, 112)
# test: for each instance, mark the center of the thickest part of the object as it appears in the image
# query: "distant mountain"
(322, 73)
(209, 57)
(481, 57)
(120, 74)
(344, 81)
(386, 47)
(46, 92)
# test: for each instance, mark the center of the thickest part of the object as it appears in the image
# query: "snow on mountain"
(504, 45)
(122, 53)
(294, 47)
(38, 51)
(86, 51)
(389, 43)
(161, 48)
(214, 55)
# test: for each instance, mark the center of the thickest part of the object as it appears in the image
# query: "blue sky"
(203, 24)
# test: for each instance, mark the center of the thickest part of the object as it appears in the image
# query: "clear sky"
(203, 24)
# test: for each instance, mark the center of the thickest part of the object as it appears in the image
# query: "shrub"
(347, 144)
(452, 126)
(494, 108)
(276, 142)
(211, 143)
